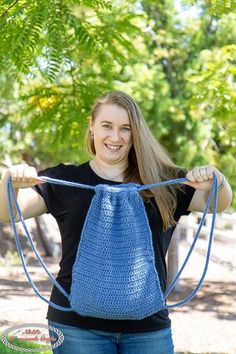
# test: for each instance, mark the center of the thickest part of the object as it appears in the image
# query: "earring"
(91, 134)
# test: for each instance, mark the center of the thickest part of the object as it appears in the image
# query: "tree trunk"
(49, 247)
(173, 258)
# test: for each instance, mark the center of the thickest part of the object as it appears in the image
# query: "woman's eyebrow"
(107, 121)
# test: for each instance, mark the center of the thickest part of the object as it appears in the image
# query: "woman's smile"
(113, 148)
(112, 134)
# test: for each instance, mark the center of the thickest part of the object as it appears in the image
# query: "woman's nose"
(115, 135)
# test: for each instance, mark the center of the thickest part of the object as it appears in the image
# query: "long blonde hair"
(148, 160)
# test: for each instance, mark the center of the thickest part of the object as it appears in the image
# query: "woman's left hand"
(201, 177)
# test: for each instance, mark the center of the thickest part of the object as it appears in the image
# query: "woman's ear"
(91, 128)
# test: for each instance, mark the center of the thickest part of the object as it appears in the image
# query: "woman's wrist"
(223, 182)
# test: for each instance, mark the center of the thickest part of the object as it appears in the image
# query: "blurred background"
(178, 60)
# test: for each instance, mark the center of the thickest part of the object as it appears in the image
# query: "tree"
(55, 60)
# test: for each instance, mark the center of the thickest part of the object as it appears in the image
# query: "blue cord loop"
(114, 189)
(10, 191)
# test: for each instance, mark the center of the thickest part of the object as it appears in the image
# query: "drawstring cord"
(119, 187)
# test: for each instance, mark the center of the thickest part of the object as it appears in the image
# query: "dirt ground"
(207, 324)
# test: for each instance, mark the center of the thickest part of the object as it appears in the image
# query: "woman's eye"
(108, 126)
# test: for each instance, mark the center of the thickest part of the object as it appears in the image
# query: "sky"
(192, 11)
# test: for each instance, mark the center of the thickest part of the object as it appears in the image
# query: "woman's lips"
(113, 147)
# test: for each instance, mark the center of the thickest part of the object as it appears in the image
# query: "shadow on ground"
(217, 297)
(9, 287)
(198, 353)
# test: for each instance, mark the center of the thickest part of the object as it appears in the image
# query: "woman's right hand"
(23, 176)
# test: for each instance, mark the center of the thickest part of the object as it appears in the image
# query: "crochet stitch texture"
(114, 274)
(114, 271)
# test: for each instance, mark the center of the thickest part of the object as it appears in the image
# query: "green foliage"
(61, 57)
(57, 57)
(11, 259)
(212, 84)
(216, 7)
(186, 87)
(222, 6)
(40, 31)
(26, 345)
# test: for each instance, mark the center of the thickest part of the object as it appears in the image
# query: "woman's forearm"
(4, 210)
(224, 198)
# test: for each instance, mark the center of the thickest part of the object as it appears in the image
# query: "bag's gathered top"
(114, 274)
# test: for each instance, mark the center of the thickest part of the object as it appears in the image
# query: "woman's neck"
(109, 171)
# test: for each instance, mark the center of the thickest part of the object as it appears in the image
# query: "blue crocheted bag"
(114, 274)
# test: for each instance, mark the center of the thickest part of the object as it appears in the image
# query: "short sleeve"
(184, 197)
(49, 191)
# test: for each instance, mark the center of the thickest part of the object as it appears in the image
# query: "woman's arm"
(30, 202)
(201, 179)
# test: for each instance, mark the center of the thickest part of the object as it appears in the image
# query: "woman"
(123, 150)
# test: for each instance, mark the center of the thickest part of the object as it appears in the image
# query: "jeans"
(89, 341)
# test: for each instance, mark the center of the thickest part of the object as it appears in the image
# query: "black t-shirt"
(69, 206)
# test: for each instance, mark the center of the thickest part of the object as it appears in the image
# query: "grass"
(10, 259)
(18, 343)
(29, 345)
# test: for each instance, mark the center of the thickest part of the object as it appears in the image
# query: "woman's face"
(112, 133)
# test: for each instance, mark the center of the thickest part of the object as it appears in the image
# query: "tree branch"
(6, 11)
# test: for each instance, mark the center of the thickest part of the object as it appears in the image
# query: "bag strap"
(10, 193)
(214, 190)
(163, 183)
(20, 251)
(64, 183)
(131, 185)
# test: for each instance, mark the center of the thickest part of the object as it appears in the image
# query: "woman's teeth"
(113, 147)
